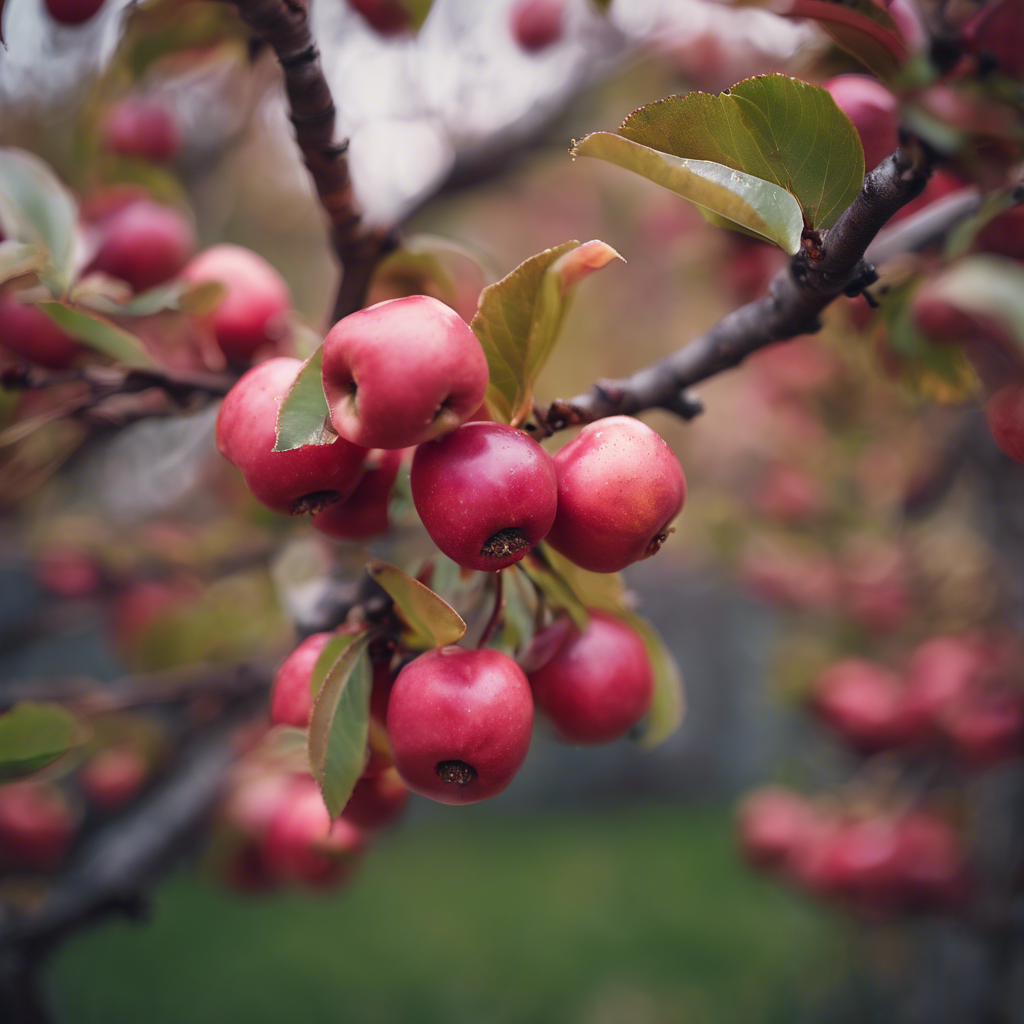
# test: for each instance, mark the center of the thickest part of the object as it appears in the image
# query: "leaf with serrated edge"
(303, 416)
(771, 127)
(33, 735)
(431, 621)
(521, 316)
(339, 725)
(668, 706)
(758, 206)
(99, 334)
(331, 652)
(37, 208)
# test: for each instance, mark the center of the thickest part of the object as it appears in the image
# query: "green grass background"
(640, 915)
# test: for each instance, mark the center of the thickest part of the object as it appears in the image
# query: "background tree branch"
(796, 297)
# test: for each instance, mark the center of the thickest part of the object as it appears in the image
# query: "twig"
(284, 26)
(796, 297)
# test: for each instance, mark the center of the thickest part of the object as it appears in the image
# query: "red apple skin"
(863, 863)
(376, 800)
(251, 315)
(942, 673)
(66, 571)
(1005, 414)
(302, 844)
(537, 24)
(112, 777)
(486, 494)
(144, 244)
(291, 700)
(402, 372)
(873, 111)
(598, 685)
(619, 488)
(468, 709)
(247, 432)
(72, 12)
(986, 729)
(139, 127)
(932, 866)
(770, 826)
(28, 332)
(864, 703)
(365, 513)
(998, 31)
(37, 827)
(387, 17)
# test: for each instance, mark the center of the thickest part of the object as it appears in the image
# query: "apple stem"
(498, 615)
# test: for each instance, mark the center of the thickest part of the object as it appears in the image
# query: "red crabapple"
(37, 826)
(388, 17)
(598, 684)
(486, 493)
(873, 111)
(291, 699)
(144, 244)
(619, 488)
(377, 800)
(28, 332)
(364, 513)
(1005, 414)
(72, 12)
(297, 481)
(111, 777)
(771, 824)
(139, 127)
(402, 372)
(251, 315)
(459, 722)
(537, 24)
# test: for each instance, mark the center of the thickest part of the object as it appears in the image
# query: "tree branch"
(795, 299)
(284, 26)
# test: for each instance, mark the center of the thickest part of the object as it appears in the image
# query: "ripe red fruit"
(139, 127)
(931, 864)
(997, 31)
(144, 244)
(864, 703)
(251, 315)
(619, 488)
(72, 12)
(598, 684)
(402, 372)
(365, 513)
(486, 494)
(388, 17)
(36, 826)
(771, 825)
(942, 673)
(303, 845)
(1005, 414)
(66, 571)
(459, 723)
(296, 481)
(113, 776)
(873, 111)
(862, 863)
(28, 332)
(986, 728)
(536, 24)
(376, 800)
(291, 700)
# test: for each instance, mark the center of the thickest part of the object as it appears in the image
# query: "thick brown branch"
(284, 26)
(795, 299)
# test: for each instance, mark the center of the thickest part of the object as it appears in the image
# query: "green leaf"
(430, 620)
(304, 417)
(668, 706)
(605, 591)
(417, 11)
(19, 258)
(34, 735)
(36, 208)
(521, 316)
(333, 650)
(177, 296)
(98, 333)
(340, 725)
(755, 206)
(557, 590)
(772, 127)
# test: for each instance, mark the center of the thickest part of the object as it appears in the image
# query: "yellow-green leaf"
(33, 735)
(98, 333)
(668, 706)
(430, 621)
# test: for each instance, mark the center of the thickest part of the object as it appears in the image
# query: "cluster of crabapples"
(410, 374)
(876, 861)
